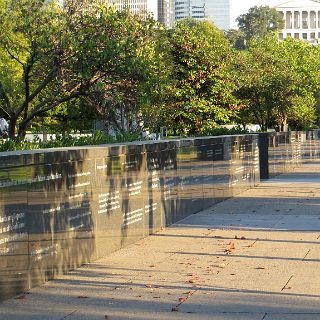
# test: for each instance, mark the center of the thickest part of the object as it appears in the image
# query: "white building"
(142, 7)
(189, 9)
(302, 20)
(217, 11)
(161, 10)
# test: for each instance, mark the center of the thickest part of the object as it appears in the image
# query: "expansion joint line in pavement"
(70, 314)
(306, 254)
(285, 286)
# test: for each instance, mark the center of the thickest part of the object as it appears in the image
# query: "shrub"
(66, 141)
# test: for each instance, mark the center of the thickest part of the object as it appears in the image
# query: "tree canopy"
(275, 81)
(201, 95)
(51, 55)
(259, 21)
(62, 65)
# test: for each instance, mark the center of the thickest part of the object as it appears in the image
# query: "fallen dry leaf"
(260, 268)
(148, 285)
(152, 266)
(192, 280)
(82, 297)
(229, 248)
(20, 297)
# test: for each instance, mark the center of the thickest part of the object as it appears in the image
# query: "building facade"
(161, 10)
(166, 12)
(217, 11)
(302, 20)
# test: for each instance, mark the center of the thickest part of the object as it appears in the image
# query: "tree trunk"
(12, 127)
(22, 130)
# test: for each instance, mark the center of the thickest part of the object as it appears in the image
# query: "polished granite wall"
(281, 152)
(62, 208)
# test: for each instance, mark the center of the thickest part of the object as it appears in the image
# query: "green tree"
(125, 100)
(51, 55)
(259, 21)
(304, 61)
(201, 90)
(277, 85)
(236, 38)
(73, 116)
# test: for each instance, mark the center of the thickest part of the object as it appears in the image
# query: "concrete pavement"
(253, 257)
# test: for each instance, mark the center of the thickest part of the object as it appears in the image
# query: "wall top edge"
(126, 145)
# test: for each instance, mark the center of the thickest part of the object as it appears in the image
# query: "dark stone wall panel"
(61, 208)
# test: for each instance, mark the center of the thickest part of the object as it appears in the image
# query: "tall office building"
(141, 7)
(218, 11)
(166, 12)
(161, 10)
(190, 9)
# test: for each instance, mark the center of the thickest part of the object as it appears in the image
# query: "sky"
(242, 6)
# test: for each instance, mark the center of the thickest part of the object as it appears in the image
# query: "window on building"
(297, 36)
(296, 23)
(288, 35)
(305, 36)
(304, 19)
(280, 36)
(288, 20)
(313, 22)
(318, 19)
(312, 35)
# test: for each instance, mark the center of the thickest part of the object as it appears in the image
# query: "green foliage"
(236, 38)
(62, 68)
(221, 131)
(270, 83)
(97, 138)
(51, 55)
(72, 116)
(259, 22)
(201, 91)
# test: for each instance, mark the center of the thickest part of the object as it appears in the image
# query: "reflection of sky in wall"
(242, 6)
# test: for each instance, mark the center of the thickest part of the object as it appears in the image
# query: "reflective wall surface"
(62, 208)
(287, 150)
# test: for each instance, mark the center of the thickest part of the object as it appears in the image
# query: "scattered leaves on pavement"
(229, 248)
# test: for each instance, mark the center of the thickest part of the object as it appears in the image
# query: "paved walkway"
(253, 257)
